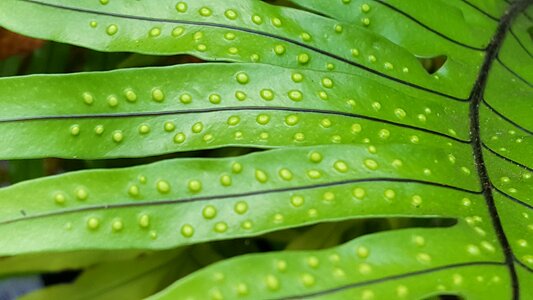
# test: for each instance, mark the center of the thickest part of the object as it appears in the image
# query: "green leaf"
(234, 31)
(462, 31)
(237, 197)
(363, 130)
(133, 279)
(401, 264)
(147, 112)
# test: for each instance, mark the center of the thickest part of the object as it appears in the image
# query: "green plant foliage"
(134, 279)
(237, 197)
(54, 262)
(366, 109)
(236, 105)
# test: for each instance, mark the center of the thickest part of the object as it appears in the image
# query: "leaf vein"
(223, 109)
(235, 195)
(427, 27)
(513, 72)
(288, 40)
(506, 118)
(393, 277)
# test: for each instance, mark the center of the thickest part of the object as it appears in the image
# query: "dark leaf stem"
(476, 98)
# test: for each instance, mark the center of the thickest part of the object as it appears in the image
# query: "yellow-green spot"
(225, 180)
(60, 198)
(285, 174)
(179, 138)
(118, 136)
(185, 98)
(279, 49)
(88, 98)
(241, 207)
(163, 186)
(144, 129)
(75, 130)
(81, 194)
(112, 29)
(195, 186)
(130, 95)
(303, 58)
(297, 200)
(181, 7)
(117, 225)
(112, 101)
(144, 221)
(371, 164)
(93, 223)
(261, 176)
(198, 127)
(209, 212)
(205, 12)
(236, 167)
(221, 227)
(272, 282)
(187, 230)
(231, 14)
(158, 95)
(295, 95)
(341, 166)
(215, 98)
(267, 94)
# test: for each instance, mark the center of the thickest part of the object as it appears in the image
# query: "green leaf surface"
(362, 130)
(237, 197)
(463, 27)
(153, 111)
(245, 31)
(367, 266)
(131, 279)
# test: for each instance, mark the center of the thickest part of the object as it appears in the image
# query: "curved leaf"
(407, 264)
(153, 111)
(172, 203)
(465, 28)
(134, 279)
(236, 31)
(377, 136)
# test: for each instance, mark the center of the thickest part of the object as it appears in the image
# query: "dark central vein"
(251, 31)
(223, 109)
(476, 99)
(390, 6)
(230, 196)
(390, 278)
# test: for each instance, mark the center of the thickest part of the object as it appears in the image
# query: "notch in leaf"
(433, 64)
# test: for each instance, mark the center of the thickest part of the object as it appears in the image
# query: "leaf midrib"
(256, 32)
(230, 108)
(389, 278)
(429, 28)
(230, 196)
(476, 99)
